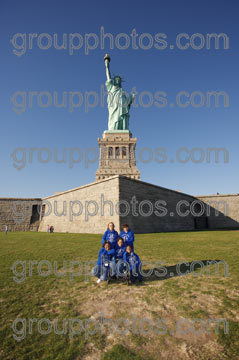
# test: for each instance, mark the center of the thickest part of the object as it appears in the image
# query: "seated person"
(110, 235)
(127, 235)
(120, 249)
(134, 262)
(105, 266)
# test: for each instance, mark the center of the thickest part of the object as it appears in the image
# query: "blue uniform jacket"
(105, 256)
(128, 237)
(119, 251)
(132, 259)
(110, 236)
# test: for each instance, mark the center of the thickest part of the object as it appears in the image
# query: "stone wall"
(19, 214)
(203, 212)
(89, 208)
(88, 203)
(119, 191)
(145, 207)
(152, 221)
(228, 211)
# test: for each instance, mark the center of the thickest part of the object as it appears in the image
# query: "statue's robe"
(118, 105)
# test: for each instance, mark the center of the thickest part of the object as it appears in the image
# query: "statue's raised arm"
(107, 66)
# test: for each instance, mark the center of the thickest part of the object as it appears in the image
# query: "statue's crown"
(117, 75)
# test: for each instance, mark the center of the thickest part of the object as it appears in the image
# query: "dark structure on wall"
(20, 214)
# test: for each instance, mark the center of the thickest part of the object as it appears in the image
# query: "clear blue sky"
(152, 70)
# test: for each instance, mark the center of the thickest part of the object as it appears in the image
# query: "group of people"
(50, 229)
(116, 257)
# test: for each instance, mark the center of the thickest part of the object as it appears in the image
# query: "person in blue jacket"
(120, 249)
(105, 266)
(134, 264)
(110, 235)
(127, 235)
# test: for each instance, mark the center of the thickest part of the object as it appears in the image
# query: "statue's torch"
(107, 59)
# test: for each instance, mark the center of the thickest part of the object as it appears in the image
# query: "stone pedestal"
(117, 155)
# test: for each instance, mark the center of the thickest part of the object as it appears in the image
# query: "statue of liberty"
(118, 101)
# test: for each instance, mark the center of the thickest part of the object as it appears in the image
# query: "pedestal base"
(117, 131)
(117, 155)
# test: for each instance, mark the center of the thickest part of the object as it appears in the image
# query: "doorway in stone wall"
(201, 223)
(35, 214)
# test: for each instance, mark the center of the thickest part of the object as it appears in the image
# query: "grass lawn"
(140, 321)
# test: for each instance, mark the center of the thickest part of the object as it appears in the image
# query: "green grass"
(69, 297)
(119, 352)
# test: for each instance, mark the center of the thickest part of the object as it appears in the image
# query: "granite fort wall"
(64, 204)
(209, 212)
(228, 208)
(100, 205)
(142, 191)
(20, 214)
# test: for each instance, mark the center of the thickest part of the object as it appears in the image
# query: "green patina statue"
(118, 101)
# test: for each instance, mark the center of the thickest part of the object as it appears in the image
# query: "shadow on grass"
(183, 269)
(180, 269)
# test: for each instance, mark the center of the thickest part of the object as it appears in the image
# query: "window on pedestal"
(117, 152)
(110, 152)
(124, 152)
